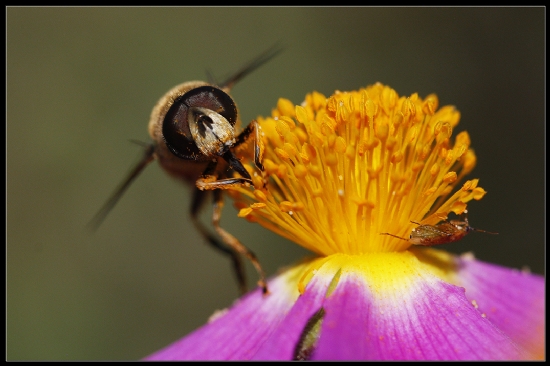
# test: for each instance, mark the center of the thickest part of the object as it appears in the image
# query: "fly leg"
(210, 182)
(253, 127)
(198, 200)
(233, 242)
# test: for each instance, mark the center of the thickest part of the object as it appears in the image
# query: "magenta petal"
(345, 325)
(239, 333)
(282, 343)
(434, 321)
(392, 306)
(512, 300)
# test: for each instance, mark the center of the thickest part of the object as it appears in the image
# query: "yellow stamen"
(341, 170)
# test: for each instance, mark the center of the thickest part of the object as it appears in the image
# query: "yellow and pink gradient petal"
(382, 306)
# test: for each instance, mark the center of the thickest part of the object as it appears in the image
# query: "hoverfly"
(193, 128)
(443, 233)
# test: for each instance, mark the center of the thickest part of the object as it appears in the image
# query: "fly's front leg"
(198, 200)
(233, 242)
(209, 181)
(253, 129)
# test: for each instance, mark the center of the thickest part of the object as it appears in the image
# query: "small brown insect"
(446, 232)
(193, 127)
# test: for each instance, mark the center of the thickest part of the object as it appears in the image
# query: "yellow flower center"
(341, 171)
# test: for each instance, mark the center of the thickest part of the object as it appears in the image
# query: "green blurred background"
(81, 82)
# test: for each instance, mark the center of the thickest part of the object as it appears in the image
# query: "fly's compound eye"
(200, 124)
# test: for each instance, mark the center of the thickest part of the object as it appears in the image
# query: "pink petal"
(281, 345)
(513, 301)
(388, 307)
(239, 333)
(434, 321)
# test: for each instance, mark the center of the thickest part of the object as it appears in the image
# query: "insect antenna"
(483, 231)
(465, 213)
(112, 201)
(252, 65)
(395, 236)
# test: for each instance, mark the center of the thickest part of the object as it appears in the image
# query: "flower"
(338, 173)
